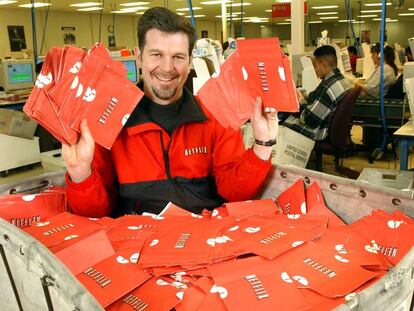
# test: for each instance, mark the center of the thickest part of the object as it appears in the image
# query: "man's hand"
(265, 128)
(78, 157)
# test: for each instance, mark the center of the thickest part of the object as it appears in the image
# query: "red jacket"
(200, 165)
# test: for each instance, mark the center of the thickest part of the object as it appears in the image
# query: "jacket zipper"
(168, 170)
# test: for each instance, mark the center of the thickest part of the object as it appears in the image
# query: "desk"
(405, 134)
(15, 105)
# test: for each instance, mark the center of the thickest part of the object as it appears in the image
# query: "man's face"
(165, 64)
(319, 67)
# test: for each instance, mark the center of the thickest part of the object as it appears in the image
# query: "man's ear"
(138, 56)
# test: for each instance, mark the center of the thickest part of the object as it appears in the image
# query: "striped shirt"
(314, 118)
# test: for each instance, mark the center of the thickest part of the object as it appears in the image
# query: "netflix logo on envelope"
(255, 284)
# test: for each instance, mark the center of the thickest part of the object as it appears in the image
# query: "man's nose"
(167, 64)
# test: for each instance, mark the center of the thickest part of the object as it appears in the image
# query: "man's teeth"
(164, 79)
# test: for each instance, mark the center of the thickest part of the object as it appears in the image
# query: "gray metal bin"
(31, 278)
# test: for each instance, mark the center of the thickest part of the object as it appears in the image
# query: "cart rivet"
(283, 174)
(396, 201)
(6, 237)
(307, 179)
(333, 187)
(362, 193)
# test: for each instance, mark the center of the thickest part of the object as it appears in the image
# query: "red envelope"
(21, 210)
(153, 295)
(322, 271)
(255, 284)
(292, 200)
(316, 206)
(112, 278)
(245, 209)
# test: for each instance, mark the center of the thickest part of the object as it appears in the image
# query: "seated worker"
(171, 149)
(353, 56)
(313, 118)
(371, 86)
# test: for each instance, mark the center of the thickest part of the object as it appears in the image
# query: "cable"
(44, 28)
(349, 21)
(100, 21)
(35, 55)
(190, 7)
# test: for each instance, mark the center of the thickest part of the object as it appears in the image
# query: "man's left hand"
(265, 127)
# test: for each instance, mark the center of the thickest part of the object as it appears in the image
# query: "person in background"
(313, 118)
(408, 54)
(371, 86)
(353, 56)
(230, 49)
(171, 149)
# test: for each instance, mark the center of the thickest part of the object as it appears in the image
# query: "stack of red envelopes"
(292, 253)
(74, 85)
(23, 209)
(257, 68)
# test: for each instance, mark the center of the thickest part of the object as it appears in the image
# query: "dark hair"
(352, 49)
(389, 58)
(375, 48)
(164, 20)
(328, 53)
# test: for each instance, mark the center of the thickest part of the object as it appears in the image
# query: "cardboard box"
(291, 148)
(16, 123)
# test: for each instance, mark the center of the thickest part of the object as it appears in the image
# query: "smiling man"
(171, 149)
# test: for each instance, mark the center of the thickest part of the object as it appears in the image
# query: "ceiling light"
(94, 8)
(85, 4)
(238, 4)
(283, 23)
(410, 9)
(369, 15)
(358, 22)
(325, 7)
(326, 13)
(195, 16)
(329, 17)
(387, 19)
(134, 3)
(346, 20)
(288, 20)
(315, 22)
(195, 8)
(269, 11)
(215, 2)
(7, 2)
(406, 14)
(376, 4)
(35, 4)
(371, 11)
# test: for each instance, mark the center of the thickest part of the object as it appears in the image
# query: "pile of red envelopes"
(74, 85)
(291, 253)
(257, 68)
(23, 209)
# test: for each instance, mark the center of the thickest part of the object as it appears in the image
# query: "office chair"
(338, 133)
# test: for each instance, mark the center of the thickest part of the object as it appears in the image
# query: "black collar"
(190, 111)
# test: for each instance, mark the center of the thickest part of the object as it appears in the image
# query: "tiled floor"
(355, 162)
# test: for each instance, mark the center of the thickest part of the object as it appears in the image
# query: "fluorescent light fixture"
(215, 2)
(358, 22)
(283, 23)
(329, 17)
(288, 20)
(195, 16)
(388, 20)
(369, 15)
(269, 11)
(283, 1)
(410, 9)
(195, 8)
(178, 13)
(85, 4)
(262, 26)
(371, 11)
(238, 4)
(326, 13)
(376, 4)
(325, 7)
(134, 9)
(7, 2)
(315, 22)
(346, 20)
(134, 3)
(406, 14)
(92, 8)
(35, 4)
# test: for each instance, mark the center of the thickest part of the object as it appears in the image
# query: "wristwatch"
(267, 143)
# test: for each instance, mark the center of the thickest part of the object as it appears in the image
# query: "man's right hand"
(78, 157)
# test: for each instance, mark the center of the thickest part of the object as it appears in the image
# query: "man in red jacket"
(171, 148)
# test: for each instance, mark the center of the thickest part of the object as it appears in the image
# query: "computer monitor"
(131, 66)
(17, 74)
(297, 67)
